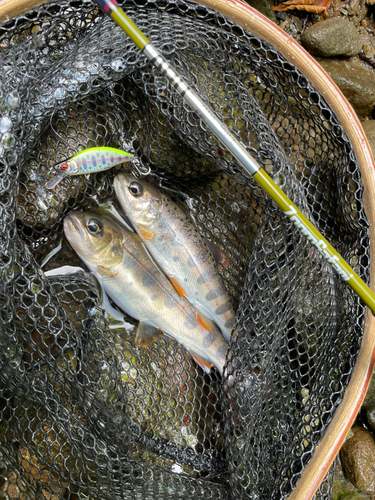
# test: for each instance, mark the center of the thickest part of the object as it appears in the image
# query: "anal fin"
(145, 233)
(203, 321)
(179, 290)
(146, 334)
(219, 256)
(202, 363)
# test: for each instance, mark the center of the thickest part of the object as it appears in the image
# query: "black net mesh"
(84, 413)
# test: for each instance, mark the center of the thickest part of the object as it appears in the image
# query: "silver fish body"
(179, 249)
(139, 287)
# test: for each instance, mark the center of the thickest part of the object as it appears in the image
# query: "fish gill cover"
(84, 412)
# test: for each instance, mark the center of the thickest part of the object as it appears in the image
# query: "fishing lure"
(88, 161)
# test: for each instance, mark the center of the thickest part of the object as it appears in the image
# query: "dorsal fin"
(219, 256)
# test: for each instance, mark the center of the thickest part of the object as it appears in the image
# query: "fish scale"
(140, 288)
(179, 249)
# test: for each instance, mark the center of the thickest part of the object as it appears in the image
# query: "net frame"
(248, 18)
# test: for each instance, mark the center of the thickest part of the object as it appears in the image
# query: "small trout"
(130, 277)
(88, 161)
(176, 245)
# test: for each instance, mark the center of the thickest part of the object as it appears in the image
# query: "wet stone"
(358, 459)
(356, 81)
(332, 37)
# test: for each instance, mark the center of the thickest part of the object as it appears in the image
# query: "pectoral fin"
(202, 363)
(146, 233)
(219, 256)
(146, 334)
(179, 290)
(105, 270)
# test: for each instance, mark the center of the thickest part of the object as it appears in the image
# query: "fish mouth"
(72, 226)
(121, 187)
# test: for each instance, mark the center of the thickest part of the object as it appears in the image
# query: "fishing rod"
(247, 162)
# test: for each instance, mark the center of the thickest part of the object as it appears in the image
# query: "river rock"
(369, 129)
(370, 415)
(356, 81)
(358, 459)
(332, 37)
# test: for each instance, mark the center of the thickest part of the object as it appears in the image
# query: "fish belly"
(145, 294)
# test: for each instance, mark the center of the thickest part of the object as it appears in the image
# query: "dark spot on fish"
(176, 242)
(224, 308)
(154, 297)
(214, 294)
(169, 301)
(222, 352)
(210, 338)
(206, 276)
(176, 258)
(93, 159)
(161, 238)
(162, 224)
(229, 323)
(130, 262)
(148, 280)
(191, 321)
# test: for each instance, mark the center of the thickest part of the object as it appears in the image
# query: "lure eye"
(64, 166)
(94, 226)
(136, 188)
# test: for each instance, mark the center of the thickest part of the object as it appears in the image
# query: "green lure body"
(89, 161)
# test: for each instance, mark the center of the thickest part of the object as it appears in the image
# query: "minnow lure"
(88, 161)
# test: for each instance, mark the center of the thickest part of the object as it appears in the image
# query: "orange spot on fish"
(186, 421)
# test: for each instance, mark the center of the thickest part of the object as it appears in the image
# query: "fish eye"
(95, 226)
(136, 188)
(64, 166)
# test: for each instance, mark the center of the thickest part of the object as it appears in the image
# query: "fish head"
(141, 201)
(96, 238)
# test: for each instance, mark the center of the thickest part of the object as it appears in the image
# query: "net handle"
(248, 18)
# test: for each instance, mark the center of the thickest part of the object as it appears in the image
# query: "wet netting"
(84, 412)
